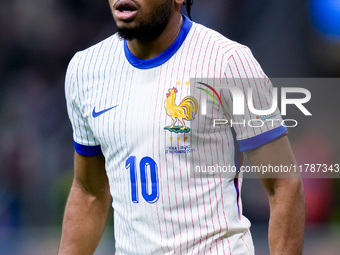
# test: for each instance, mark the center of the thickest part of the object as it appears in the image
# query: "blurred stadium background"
(289, 38)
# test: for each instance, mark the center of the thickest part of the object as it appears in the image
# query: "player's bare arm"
(286, 199)
(116, 103)
(87, 207)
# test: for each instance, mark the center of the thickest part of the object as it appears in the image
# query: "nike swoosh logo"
(96, 114)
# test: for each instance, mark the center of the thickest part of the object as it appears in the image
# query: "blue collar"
(165, 55)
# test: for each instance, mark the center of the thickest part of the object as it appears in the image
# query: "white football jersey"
(145, 117)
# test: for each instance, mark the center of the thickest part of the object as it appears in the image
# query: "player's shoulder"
(215, 40)
(85, 62)
(98, 50)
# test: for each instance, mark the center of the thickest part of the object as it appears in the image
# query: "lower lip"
(125, 15)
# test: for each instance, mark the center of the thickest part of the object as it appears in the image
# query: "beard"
(150, 27)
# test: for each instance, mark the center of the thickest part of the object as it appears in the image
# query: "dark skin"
(143, 48)
(89, 200)
(286, 198)
(87, 207)
(89, 203)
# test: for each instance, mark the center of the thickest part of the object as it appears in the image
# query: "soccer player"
(138, 131)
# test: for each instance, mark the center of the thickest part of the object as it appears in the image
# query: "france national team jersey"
(141, 115)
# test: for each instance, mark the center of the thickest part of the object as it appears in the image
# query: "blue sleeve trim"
(256, 141)
(87, 150)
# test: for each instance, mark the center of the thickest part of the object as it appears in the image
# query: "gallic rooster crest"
(186, 110)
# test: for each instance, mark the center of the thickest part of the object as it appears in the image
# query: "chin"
(125, 24)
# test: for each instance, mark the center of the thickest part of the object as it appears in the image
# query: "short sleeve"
(252, 130)
(84, 140)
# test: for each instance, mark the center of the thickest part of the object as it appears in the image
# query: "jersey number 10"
(148, 179)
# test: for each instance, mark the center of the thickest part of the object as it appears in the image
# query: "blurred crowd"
(39, 37)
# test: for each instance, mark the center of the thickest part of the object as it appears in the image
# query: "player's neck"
(149, 49)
